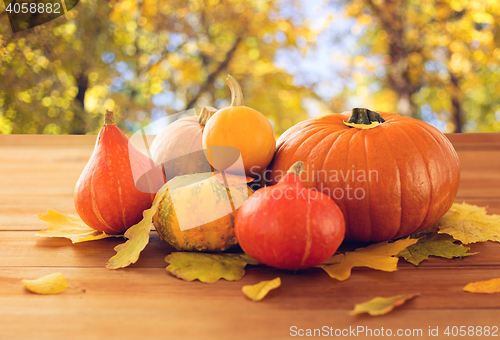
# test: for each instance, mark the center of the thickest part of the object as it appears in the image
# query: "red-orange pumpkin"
(287, 226)
(178, 147)
(390, 175)
(107, 195)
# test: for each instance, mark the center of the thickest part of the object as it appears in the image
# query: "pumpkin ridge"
(450, 175)
(367, 187)
(120, 198)
(334, 149)
(334, 136)
(95, 208)
(345, 167)
(298, 134)
(309, 236)
(410, 138)
(302, 143)
(399, 181)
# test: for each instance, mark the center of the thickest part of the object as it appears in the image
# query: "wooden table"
(145, 302)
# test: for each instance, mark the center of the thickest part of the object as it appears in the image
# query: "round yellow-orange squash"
(242, 128)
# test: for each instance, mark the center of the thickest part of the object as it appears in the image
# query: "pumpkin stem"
(109, 118)
(205, 114)
(236, 92)
(364, 116)
(296, 168)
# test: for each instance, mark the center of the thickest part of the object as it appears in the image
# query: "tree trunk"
(391, 18)
(456, 104)
(79, 123)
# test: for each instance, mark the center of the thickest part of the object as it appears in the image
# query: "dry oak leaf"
(377, 256)
(208, 268)
(49, 284)
(137, 237)
(486, 287)
(258, 291)
(69, 226)
(470, 224)
(441, 245)
(380, 305)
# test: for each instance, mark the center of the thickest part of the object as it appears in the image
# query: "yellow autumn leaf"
(380, 305)
(48, 284)
(137, 237)
(470, 224)
(486, 287)
(258, 291)
(69, 226)
(208, 267)
(376, 256)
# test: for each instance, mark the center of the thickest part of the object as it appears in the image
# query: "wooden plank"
(164, 307)
(24, 249)
(62, 141)
(474, 140)
(83, 320)
(144, 301)
(18, 249)
(440, 288)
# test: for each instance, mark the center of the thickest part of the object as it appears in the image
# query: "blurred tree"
(145, 59)
(441, 57)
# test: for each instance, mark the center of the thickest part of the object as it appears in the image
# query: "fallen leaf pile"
(463, 223)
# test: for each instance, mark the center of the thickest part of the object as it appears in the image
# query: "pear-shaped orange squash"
(107, 195)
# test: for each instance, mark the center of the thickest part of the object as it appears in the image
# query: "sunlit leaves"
(49, 284)
(439, 41)
(378, 256)
(380, 306)
(484, 287)
(470, 224)
(121, 56)
(69, 226)
(258, 291)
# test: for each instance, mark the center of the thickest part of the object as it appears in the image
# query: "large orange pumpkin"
(390, 175)
(178, 147)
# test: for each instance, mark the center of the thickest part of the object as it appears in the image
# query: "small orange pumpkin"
(391, 175)
(243, 128)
